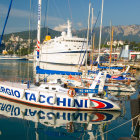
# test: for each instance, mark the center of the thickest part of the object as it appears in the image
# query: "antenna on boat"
(38, 39)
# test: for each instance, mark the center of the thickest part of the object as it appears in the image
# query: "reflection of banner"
(11, 109)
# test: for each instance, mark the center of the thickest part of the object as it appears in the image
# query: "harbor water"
(20, 121)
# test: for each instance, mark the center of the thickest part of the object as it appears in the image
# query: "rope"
(119, 125)
(135, 127)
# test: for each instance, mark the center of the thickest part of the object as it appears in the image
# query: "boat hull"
(55, 100)
(67, 58)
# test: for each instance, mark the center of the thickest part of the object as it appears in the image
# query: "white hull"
(51, 99)
(11, 58)
(121, 88)
(67, 58)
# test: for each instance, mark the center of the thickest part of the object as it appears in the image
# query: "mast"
(92, 50)
(88, 34)
(100, 30)
(38, 37)
(111, 45)
(91, 58)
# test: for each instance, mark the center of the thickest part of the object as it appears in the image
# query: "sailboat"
(53, 95)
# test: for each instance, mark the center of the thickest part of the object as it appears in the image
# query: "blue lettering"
(76, 116)
(12, 110)
(2, 89)
(48, 100)
(85, 116)
(69, 116)
(25, 113)
(41, 112)
(69, 102)
(27, 95)
(3, 107)
(8, 91)
(86, 103)
(32, 113)
(63, 115)
(8, 108)
(32, 97)
(50, 115)
(17, 111)
(17, 93)
(77, 103)
(12, 92)
(64, 101)
(41, 96)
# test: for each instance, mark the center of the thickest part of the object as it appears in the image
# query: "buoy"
(71, 92)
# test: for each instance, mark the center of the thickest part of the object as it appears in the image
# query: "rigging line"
(120, 125)
(135, 127)
(46, 15)
(95, 22)
(6, 21)
(28, 73)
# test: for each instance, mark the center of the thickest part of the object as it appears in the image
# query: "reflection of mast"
(92, 137)
(101, 131)
(36, 133)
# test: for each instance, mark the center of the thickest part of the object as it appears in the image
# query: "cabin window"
(53, 88)
(46, 87)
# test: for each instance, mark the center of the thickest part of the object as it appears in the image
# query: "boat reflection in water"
(65, 124)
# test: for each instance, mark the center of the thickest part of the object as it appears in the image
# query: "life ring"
(87, 84)
(71, 92)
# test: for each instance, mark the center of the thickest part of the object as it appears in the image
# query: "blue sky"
(120, 12)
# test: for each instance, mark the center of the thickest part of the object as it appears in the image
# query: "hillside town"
(17, 45)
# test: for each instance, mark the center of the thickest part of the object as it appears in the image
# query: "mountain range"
(130, 33)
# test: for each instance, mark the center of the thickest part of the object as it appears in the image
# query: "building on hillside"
(116, 43)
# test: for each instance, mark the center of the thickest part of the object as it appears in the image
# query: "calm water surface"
(22, 122)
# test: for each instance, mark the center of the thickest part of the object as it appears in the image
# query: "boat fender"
(71, 93)
(55, 99)
(23, 95)
(38, 97)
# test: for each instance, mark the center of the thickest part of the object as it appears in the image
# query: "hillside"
(129, 33)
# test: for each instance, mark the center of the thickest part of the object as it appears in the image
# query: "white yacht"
(65, 49)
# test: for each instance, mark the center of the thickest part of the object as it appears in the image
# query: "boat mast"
(92, 40)
(100, 31)
(38, 37)
(88, 34)
(111, 42)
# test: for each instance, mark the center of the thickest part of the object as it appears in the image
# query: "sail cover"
(51, 72)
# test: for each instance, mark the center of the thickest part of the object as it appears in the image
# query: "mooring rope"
(119, 125)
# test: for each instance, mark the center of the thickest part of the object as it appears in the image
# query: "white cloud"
(79, 24)
(60, 27)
